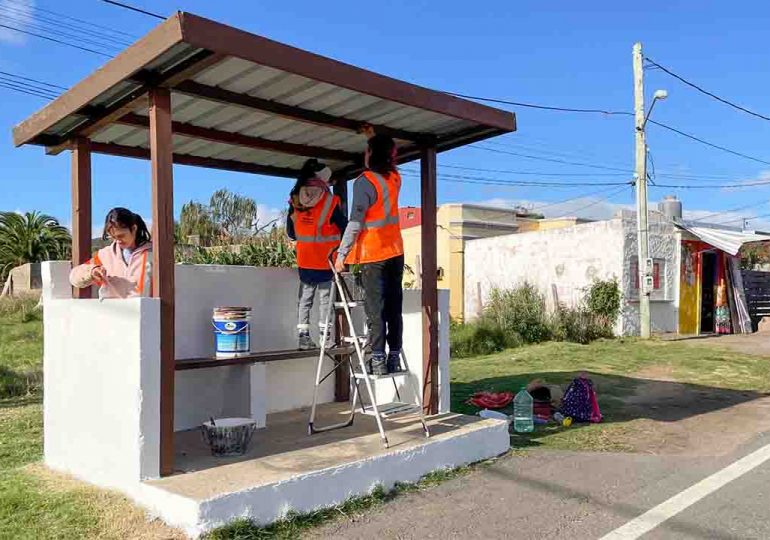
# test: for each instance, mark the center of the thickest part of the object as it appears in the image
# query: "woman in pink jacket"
(124, 268)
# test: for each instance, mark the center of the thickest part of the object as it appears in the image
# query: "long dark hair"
(382, 154)
(123, 218)
(309, 169)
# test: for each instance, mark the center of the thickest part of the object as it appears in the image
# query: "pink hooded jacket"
(123, 280)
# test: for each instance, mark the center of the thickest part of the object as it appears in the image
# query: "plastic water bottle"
(523, 417)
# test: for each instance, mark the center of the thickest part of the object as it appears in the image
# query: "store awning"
(727, 239)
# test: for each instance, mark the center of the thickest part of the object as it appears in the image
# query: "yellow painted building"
(457, 223)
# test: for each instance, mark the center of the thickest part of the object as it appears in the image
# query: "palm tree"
(31, 237)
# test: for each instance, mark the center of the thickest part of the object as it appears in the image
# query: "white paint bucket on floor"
(232, 329)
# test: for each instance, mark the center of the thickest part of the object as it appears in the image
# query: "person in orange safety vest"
(373, 241)
(316, 222)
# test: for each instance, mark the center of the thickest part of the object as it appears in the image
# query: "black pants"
(383, 297)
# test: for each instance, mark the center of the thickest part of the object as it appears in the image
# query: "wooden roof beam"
(246, 141)
(101, 117)
(195, 161)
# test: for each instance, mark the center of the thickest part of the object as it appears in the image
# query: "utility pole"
(641, 194)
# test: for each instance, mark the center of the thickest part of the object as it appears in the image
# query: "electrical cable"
(706, 92)
(22, 5)
(55, 40)
(136, 9)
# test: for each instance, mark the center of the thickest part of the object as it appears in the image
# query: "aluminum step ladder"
(341, 300)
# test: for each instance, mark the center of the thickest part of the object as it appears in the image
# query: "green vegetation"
(614, 366)
(513, 317)
(28, 238)
(21, 347)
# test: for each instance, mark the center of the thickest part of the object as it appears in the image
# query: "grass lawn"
(35, 503)
(618, 369)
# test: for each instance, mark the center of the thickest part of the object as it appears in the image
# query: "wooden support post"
(161, 156)
(429, 282)
(341, 376)
(81, 208)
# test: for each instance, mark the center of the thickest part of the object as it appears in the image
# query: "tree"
(195, 221)
(29, 238)
(235, 214)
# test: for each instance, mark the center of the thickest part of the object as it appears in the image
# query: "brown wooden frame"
(130, 83)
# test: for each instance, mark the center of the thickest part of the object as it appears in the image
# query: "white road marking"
(678, 503)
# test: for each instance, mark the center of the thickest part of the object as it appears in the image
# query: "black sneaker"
(393, 362)
(379, 364)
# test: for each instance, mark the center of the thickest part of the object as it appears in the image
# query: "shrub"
(578, 325)
(269, 249)
(479, 338)
(603, 300)
(519, 311)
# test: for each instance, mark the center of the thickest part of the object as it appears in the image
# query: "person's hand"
(339, 264)
(98, 273)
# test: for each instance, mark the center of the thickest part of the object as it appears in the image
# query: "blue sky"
(570, 54)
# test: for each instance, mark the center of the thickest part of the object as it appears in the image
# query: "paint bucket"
(232, 327)
(228, 436)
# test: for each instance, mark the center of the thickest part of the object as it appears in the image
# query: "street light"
(659, 94)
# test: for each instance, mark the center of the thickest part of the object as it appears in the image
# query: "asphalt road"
(577, 496)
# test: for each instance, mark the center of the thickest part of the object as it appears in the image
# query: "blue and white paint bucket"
(232, 328)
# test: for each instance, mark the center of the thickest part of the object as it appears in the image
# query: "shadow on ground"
(621, 398)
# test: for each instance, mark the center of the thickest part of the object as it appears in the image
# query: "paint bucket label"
(232, 336)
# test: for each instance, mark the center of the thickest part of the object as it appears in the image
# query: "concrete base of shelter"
(285, 469)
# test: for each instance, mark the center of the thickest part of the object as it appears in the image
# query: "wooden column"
(341, 376)
(81, 208)
(163, 261)
(429, 285)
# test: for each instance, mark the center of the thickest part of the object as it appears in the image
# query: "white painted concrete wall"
(102, 388)
(224, 391)
(102, 361)
(568, 260)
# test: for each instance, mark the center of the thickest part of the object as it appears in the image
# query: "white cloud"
(18, 15)
(268, 215)
(762, 178)
(583, 207)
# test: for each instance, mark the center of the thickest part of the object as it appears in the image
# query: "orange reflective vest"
(316, 235)
(380, 237)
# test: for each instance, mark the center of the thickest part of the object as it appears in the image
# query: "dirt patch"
(671, 418)
(757, 344)
(118, 517)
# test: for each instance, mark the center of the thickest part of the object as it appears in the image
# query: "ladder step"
(389, 410)
(351, 339)
(360, 375)
(340, 305)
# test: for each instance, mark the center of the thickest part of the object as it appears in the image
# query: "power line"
(541, 107)
(728, 211)
(55, 40)
(33, 80)
(29, 16)
(706, 92)
(715, 186)
(712, 145)
(581, 196)
(22, 5)
(136, 9)
(28, 25)
(23, 90)
(552, 160)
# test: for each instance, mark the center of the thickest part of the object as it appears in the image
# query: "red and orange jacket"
(125, 280)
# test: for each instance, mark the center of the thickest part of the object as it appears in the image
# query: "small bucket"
(232, 336)
(228, 436)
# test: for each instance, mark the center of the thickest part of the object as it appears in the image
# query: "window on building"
(410, 215)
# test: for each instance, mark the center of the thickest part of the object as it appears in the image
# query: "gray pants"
(306, 295)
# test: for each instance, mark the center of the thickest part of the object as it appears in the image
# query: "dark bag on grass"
(580, 403)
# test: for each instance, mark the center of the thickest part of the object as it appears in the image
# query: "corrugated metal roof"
(290, 107)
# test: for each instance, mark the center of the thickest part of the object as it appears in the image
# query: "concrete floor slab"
(286, 469)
